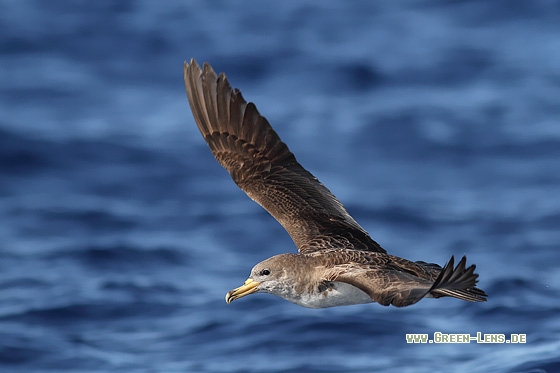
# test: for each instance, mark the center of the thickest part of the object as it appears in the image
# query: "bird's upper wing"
(245, 144)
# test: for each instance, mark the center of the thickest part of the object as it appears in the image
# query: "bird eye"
(264, 272)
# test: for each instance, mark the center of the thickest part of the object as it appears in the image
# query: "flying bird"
(337, 263)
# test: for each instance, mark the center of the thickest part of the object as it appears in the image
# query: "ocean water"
(436, 123)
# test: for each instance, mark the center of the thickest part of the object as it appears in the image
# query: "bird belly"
(337, 294)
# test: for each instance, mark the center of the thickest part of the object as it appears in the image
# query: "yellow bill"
(249, 287)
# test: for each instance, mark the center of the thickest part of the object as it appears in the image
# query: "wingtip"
(188, 66)
(191, 62)
(208, 71)
(192, 67)
(458, 281)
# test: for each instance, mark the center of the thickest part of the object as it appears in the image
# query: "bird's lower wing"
(388, 287)
(406, 284)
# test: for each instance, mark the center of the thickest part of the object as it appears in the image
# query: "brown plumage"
(338, 262)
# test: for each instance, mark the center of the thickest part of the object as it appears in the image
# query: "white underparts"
(337, 294)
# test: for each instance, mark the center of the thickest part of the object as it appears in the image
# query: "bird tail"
(458, 282)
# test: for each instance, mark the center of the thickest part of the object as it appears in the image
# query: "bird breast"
(333, 294)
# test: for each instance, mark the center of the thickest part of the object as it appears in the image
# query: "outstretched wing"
(245, 144)
(399, 282)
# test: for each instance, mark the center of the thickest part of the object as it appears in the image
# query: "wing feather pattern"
(245, 144)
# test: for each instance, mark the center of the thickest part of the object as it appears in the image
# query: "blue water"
(436, 123)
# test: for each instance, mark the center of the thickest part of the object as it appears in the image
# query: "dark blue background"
(436, 123)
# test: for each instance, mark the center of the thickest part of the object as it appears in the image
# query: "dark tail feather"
(458, 283)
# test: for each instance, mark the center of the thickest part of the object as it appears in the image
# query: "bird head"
(268, 276)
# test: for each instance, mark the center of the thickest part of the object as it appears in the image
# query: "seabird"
(338, 262)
